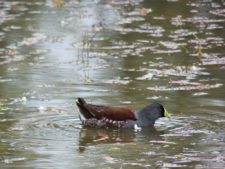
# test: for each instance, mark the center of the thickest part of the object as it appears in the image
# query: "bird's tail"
(83, 108)
(80, 101)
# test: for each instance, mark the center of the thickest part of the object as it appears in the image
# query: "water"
(128, 53)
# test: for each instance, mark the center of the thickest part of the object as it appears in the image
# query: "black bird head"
(149, 114)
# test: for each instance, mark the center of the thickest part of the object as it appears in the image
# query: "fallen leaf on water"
(103, 137)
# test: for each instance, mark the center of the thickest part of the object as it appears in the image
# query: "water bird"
(121, 117)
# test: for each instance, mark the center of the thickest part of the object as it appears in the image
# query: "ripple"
(48, 125)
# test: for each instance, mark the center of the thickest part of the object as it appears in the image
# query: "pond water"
(128, 53)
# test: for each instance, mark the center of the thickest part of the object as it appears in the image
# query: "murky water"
(111, 52)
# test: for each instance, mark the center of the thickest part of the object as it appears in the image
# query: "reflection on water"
(90, 137)
(126, 53)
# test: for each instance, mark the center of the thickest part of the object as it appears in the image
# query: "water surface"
(128, 53)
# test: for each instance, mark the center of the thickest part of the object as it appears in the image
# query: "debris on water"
(103, 137)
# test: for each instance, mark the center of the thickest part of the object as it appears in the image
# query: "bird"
(120, 117)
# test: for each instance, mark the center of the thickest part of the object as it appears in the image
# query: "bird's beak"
(166, 114)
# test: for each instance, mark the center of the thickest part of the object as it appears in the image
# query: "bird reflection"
(94, 136)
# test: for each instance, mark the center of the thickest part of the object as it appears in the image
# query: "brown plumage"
(107, 116)
(89, 111)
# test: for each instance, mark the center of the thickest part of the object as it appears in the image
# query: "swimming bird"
(120, 117)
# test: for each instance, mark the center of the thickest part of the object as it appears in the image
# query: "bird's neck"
(142, 120)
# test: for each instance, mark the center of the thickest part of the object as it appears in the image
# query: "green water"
(113, 52)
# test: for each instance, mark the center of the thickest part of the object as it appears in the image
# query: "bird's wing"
(88, 111)
(112, 113)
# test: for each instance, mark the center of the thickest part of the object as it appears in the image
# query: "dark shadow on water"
(95, 136)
